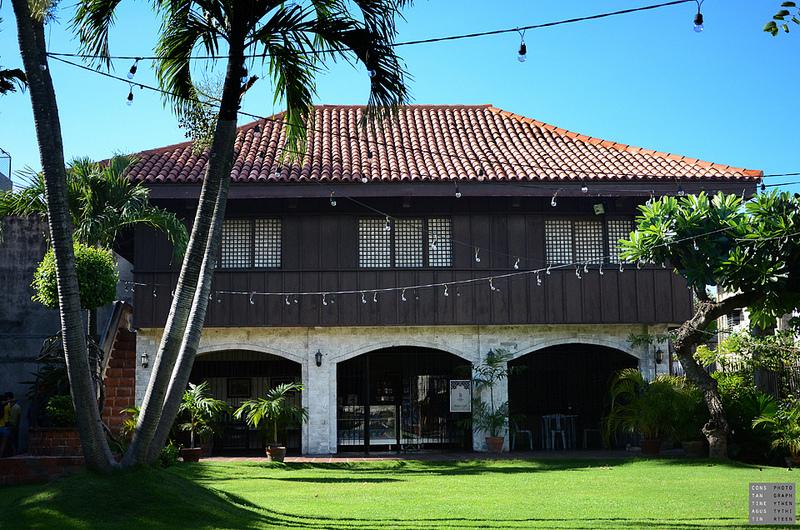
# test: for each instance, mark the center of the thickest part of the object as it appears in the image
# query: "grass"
(574, 494)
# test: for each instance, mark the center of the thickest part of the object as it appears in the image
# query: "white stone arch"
(205, 349)
(608, 342)
(407, 343)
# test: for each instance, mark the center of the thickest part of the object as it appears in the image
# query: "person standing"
(12, 421)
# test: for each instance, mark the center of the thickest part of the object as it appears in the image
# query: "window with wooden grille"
(374, 243)
(558, 241)
(617, 229)
(440, 243)
(589, 245)
(251, 243)
(404, 242)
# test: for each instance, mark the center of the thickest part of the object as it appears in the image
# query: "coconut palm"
(294, 41)
(11, 79)
(30, 18)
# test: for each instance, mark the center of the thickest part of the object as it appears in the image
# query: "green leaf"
(788, 4)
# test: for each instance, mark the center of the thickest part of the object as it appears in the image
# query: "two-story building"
(387, 262)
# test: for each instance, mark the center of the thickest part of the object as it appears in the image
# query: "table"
(558, 423)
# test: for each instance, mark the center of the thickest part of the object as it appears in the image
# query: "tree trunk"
(188, 297)
(223, 147)
(32, 47)
(690, 334)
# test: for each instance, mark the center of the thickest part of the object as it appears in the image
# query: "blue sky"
(726, 95)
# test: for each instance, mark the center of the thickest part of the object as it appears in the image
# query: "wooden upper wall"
(320, 253)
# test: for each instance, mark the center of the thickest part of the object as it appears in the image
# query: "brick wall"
(34, 469)
(54, 441)
(120, 380)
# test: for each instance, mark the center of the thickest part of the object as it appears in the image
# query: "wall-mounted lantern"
(659, 356)
(318, 358)
(145, 360)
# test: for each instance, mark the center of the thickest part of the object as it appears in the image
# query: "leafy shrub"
(97, 277)
(61, 411)
(783, 424)
(743, 403)
(169, 455)
(129, 424)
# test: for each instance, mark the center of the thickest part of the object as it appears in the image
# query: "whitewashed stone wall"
(339, 344)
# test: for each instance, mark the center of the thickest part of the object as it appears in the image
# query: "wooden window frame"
(426, 258)
(251, 242)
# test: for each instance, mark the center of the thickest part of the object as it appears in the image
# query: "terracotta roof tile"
(431, 143)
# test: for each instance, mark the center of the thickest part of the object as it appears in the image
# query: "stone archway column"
(500, 396)
(319, 383)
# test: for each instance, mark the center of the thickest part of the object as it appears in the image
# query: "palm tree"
(200, 409)
(102, 204)
(11, 79)
(30, 17)
(295, 41)
(274, 410)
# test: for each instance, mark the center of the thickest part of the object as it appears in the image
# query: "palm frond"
(92, 22)
(11, 79)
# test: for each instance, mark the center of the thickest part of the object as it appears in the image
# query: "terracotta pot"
(495, 444)
(651, 447)
(191, 454)
(694, 448)
(276, 453)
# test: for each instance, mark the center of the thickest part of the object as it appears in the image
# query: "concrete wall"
(338, 344)
(24, 324)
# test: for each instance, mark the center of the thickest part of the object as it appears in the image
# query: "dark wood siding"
(320, 253)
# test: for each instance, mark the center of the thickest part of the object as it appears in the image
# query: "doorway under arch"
(564, 387)
(399, 399)
(235, 376)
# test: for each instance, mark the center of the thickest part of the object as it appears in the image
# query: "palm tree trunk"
(169, 381)
(222, 146)
(32, 47)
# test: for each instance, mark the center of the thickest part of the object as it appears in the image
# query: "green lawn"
(398, 494)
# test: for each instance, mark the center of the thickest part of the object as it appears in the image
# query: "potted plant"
(783, 424)
(274, 410)
(639, 405)
(690, 416)
(200, 411)
(491, 417)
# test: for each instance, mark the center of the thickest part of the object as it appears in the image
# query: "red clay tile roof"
(431, 143)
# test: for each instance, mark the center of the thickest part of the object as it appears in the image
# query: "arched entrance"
(563, 390)
(236, 376)
(399, 399)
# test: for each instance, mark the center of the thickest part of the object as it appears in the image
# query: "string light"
(681, 192)
(698, 18)
(578, 271)
(388, 226)
(403, 295)
(553, 202)
(333, 198)
(155, 293)
(600, 270)
(586, 268)
(364, 179)
(548, 269)
(375, 297)
(324, 300)
(516, 264)
(584, 188)
(363, 298)
(491, 285)
(621, 268)
(433, 242)
(252, 302)
(129, 99)
(458, 192)
(287, 300)
(538, 279)
(446, 293)
(477, 257)
(134, 67)
(522, 53)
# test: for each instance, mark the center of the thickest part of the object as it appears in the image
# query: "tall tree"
(30, 18)
(11, 78)
(750, 251)
(294, 41)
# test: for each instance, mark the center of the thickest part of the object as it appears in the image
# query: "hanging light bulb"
(388, 225)
(621, 268)
(584, 188)
(364, 179)
(446, 293)
(333, 198)
(434, 248)
(553, 202)
(522, 53)
(458, 192)
(586, 267)
(516, 264)
(698, 22)
(134, 67)
(491, 285)
(129, 99)
(578, 271)
(477, 257)
(403, 295)
(244, 74)
(538, 279)
(294, 299)
(458, 291)
(155, 293)
(287, 300)
(371, 73)
(681, 191)
(600, 270)
(324, 300)
(375, 297)
(363, 298)
(252, 302)
(548, 270)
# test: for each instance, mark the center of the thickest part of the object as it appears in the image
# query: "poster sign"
(460, 395)
(772, 503)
